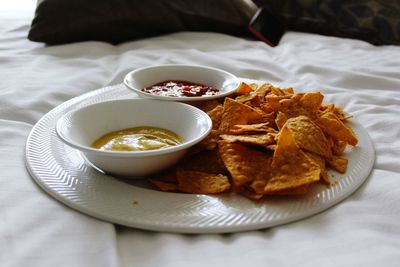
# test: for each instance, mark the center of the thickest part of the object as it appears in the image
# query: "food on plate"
(265, 141)
(137, 139)
(196, 182)
(180, 89)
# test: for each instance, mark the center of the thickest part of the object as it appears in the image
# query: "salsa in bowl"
(178, 82)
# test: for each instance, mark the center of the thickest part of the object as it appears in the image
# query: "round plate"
(63, 173)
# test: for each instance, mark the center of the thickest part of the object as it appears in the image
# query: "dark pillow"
(63, 21)
(374, 21)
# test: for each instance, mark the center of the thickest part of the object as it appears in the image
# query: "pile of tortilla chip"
(265, 141)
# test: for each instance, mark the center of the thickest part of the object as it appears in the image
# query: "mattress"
(38, 230)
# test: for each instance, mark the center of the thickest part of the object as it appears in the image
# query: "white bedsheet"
(36, 230)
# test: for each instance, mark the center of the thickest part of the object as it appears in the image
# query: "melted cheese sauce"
(137, 139)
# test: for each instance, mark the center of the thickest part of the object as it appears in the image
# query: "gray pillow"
(374, 21)
(115, 21)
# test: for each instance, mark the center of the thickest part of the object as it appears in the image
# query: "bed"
(38, 230)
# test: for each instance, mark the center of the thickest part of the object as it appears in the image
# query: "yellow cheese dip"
(137, 139)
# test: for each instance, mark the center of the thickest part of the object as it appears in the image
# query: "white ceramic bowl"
(143, 77)
(80, 128)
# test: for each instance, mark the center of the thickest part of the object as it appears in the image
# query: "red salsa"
(180, 88)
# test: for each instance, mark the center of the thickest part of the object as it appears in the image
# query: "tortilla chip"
(265, 141)
(164, 186)
(244, 89)
(321, 162)
(291, 168)
(333, 126)
(272, 103)
(325, 178)
(256, 98)
(206, 161)
(338, 111)
(244, 163)
(216, 116)
(258, 185)
(312, 101)
(237, 113)
(280, 120)
(271, 147)
(263, 89)
(277, 91)
(208, 143)
(296, 191)
(168, 176)
(309, 136)
(208, 105)
(288, 90)
(339, 164)
(338, 147)
(165, 181)
(252, 195)
(252, 128)
(307, 104)
(254, 139)
(195, 182)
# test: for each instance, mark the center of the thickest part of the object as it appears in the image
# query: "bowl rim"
(145, 153)
(128, 77)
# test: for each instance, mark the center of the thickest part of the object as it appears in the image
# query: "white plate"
(63, 173)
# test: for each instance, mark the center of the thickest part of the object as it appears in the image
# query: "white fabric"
(36, 230)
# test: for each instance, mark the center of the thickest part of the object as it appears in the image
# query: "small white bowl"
(140, 78)
(80, 128)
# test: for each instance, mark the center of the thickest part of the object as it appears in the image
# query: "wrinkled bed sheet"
(37, 230)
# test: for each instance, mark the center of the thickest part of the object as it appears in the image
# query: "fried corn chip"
(333, 126)
(273, 103)
(321, 162)
(264, 140)
(252, 195)
(309, 136)
(296, 191)
(312, 101)
(207, 106)
(338, 111)
(164, 186)
(257, 97)
(168, 176)
(216, 115)
(258, 185)
(307, 104)
(166, 180)
(244, 163)
(280, 120)
(251, 128)
(338, 164)
(271, 147)
(195, 182)
(237, 113)
(288, 91)
(208, 161)
(338, 147)
(291, 168)
(267, 117)
(209, 143)
(244, 89)
(279, 91)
